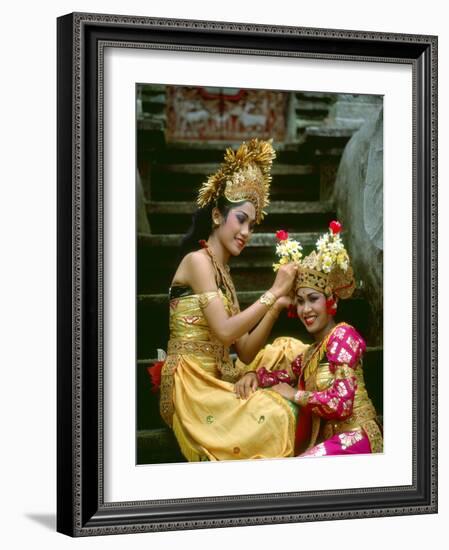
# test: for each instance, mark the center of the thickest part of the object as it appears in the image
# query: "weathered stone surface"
(358, 199)
(143, 225)
(353, 110)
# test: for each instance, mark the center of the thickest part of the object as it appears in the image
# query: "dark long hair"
(201, 226)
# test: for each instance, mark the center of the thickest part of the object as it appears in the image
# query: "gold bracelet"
(268, 299)
(297, 397)
(301, 397)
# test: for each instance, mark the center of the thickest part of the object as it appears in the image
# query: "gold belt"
(356, 420)
(194, 347)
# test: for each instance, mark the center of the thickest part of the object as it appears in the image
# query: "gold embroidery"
(196, 347)
(220, 354)
(314, 354)
(166, 402)
(375, 437)
(359, 419)
(191, 320)
(344, 371)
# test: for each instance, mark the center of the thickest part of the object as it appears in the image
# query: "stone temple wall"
(358, 196)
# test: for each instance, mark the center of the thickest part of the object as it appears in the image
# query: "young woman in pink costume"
(336, 415)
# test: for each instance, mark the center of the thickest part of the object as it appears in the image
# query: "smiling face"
(235, 231)
(312, 311)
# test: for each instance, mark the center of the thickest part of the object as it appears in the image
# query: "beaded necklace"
(223, 278)
(315, 353)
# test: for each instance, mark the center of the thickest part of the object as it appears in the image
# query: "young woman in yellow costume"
(212, 417)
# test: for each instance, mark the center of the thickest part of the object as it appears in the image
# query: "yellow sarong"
(197, 401)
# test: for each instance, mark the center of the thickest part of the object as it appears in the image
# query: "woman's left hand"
(284, 302)
(285, 390)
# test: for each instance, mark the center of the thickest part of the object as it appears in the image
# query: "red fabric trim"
(155, 374)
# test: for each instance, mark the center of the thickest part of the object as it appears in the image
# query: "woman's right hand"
(285, 278)
(246, 385)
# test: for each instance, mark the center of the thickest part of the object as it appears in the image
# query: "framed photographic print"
(341, 125)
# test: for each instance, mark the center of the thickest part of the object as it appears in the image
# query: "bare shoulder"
(196, 270)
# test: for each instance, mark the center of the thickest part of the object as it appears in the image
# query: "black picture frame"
(81, 510)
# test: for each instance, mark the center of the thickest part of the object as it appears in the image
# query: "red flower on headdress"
(202, 243)
(331, 306)
(281, 235)
(291, 312)
(335, 226)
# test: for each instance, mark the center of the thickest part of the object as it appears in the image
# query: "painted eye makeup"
(242, 217)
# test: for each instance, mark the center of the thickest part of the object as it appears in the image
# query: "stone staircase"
(301, 203)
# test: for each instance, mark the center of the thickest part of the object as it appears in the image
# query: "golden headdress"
(327, 269)
(243, 176)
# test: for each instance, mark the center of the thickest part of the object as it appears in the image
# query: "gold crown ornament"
(243, 176)
(327, 269)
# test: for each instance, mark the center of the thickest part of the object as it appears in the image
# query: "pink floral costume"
(336, 414)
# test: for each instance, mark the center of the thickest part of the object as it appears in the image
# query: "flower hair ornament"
(288, 250)
(327, 269)
(243, 176)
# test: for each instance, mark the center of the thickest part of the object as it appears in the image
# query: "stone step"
(153, 124)
(211, 153)
(219, 147)
(324, 97)
(158, 446)
(168, 181)
(296, 216)
(304, 188)
(205, 168)
(319, 107)
(245, 297)
(275, 207)
(258, 240)
(328, 132)
(323, 140)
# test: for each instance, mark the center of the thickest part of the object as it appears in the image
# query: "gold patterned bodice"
(190, 333)
(187, 320)
(323, 379)
(363, 412)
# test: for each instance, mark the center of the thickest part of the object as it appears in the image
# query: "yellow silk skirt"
(211, 423)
